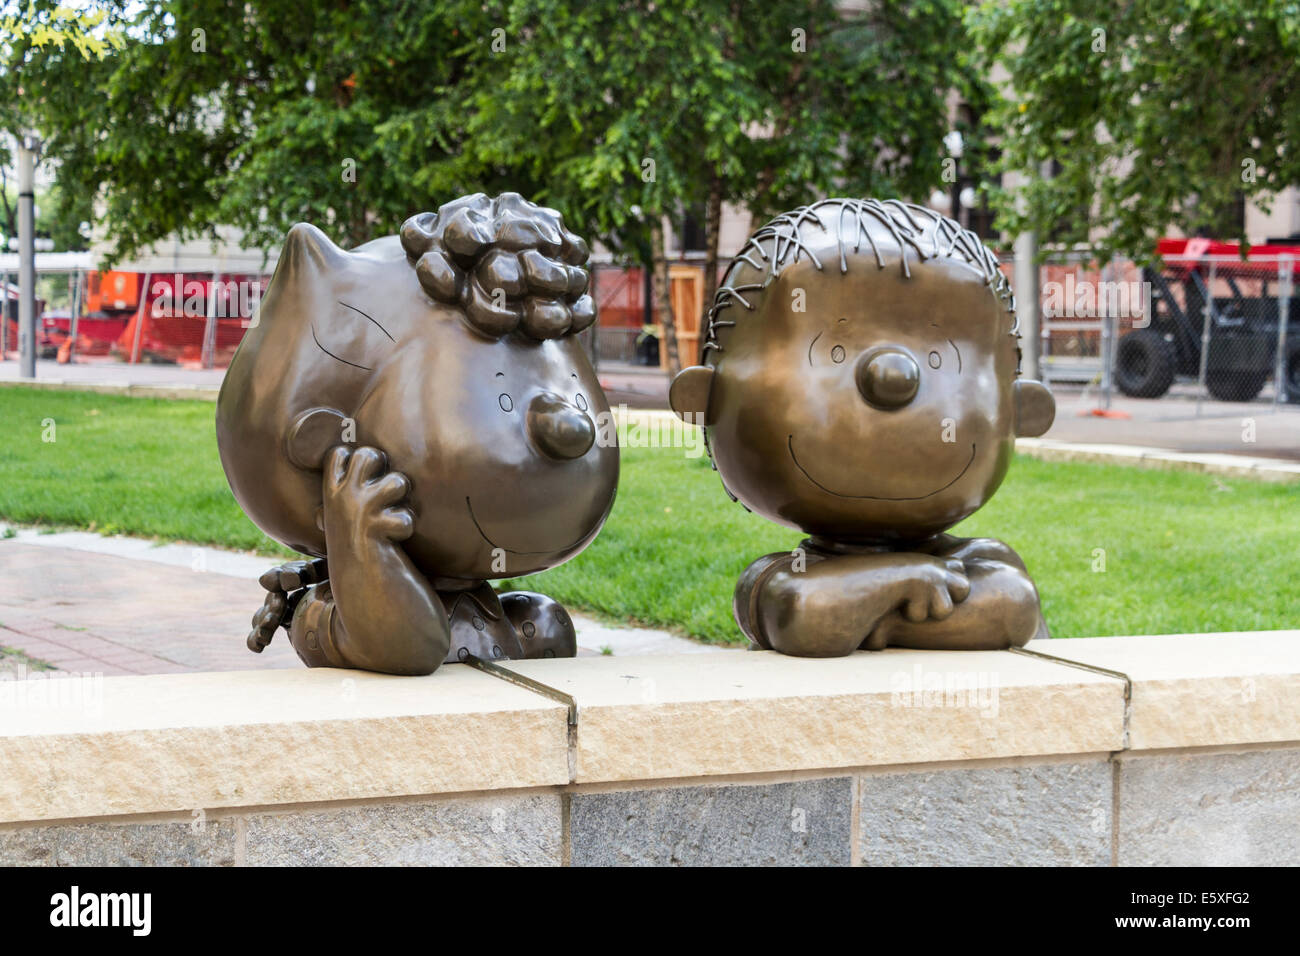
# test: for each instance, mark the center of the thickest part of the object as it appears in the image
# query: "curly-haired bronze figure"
(418, 415)
(859, 382)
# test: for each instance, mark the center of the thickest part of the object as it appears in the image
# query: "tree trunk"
(713, 201)
(712, 227)
(10, 225)
(661, 288)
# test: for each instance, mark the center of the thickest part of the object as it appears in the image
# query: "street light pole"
(27, 147)
(1027, 300)
(1026, 284)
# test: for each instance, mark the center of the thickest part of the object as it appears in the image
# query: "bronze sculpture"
(418, 416)
(859, 382)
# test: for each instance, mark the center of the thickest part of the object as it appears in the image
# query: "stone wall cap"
(1200, 690)
(663, 717)
(239, 698)
(188, 742)
(1176, 656)
(172, 743)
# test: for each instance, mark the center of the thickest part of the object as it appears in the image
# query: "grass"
(1181, 551)
(14, 661)
(119, 465)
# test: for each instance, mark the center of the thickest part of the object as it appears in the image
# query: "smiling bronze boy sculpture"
(860, 384)
(418, 415)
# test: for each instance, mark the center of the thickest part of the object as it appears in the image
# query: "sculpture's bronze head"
(859, 374)
(452, 348)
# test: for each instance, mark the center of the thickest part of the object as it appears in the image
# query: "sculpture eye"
(837, 354)
(507, 405)
(581, 401)
(935, 360)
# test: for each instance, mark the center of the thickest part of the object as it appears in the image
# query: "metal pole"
(1025, 272)
(1109, 327)
(1201, 388)
(595, 325)
(76, 314)
(1107, 356)
(1285, 288)
(4, 319)
(139, 318)
(206, 358)
(27, 146)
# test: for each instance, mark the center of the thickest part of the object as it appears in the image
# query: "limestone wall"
(1130, 750)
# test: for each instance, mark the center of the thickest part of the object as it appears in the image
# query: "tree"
(26, 30)
(1157, 113)
(64, 230)
(357, 113)
(252, 115)
(627, 114)
(857, 102)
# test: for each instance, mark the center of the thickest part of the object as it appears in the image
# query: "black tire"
(1235, 386)
(1291, 371)
(1144, 364)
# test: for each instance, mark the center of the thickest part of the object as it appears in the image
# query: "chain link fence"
(1194, 327)
(624, 336)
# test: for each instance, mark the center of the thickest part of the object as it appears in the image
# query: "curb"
(202, 393)
(1235, 466)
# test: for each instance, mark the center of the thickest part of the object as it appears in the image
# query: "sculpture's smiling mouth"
(483, 533)
(837, 494)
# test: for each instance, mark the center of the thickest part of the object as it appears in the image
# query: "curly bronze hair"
(506, 262)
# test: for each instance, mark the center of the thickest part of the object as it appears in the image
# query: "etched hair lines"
(782, 242)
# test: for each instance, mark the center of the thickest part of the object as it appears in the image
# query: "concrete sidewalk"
(1254, 429)
(116, 605)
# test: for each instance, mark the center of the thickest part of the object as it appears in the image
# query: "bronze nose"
(888, 377)
(559, 429)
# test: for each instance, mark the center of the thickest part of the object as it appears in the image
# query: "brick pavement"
(101, 613)
(121, 606)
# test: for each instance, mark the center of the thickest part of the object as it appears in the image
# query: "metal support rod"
(595, 325)
(1285, 288)
(207, 353)
(139, 319)
(1109, 334)
(76, 315)
(1201, 387)
(27, 256)
(4, 318)
(1107, 357)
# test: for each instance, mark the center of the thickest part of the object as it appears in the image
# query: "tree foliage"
(31, 28)
(258, 115)
(353, 114)
(628, 111)
(625, 114)
(1154, 113)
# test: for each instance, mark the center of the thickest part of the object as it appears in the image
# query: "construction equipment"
(1218, 318)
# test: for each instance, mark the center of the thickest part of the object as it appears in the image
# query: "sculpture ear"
(313, 434)
(689, 394)
(1035, 408)
(305, 246)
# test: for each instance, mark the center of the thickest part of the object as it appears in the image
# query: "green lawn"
(1183, 552)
